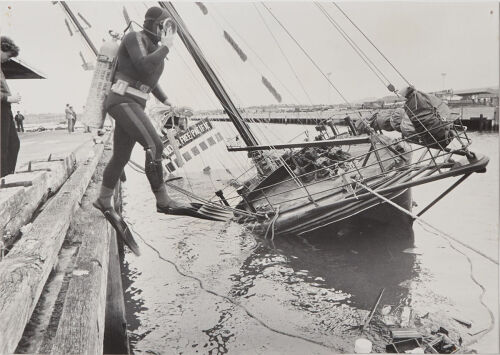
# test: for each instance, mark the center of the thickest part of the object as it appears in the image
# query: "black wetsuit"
(139, 59)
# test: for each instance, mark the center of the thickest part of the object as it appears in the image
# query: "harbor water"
(213, 288)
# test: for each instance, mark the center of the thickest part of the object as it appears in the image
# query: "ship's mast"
(79, 26)
(210, 76)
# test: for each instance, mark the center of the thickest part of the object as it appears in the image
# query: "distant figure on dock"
(141, 58)
(19, 121)
(73, 113)
(69, 118)
(483, 122)
(9, 138)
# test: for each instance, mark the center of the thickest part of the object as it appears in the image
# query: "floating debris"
(386, 310)
(405, 317)
(372, 312)
(479, 332)
(362, 346)
(463, 322)
(399, 334)
(406, 340)
(442, 344)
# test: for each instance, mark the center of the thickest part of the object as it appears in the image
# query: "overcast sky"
(423, 40)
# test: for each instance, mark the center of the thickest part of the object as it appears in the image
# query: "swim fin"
(197, 210)
(120, 226)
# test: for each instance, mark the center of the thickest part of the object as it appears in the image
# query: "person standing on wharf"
(19, 121)
(140, 63)
(9, 148)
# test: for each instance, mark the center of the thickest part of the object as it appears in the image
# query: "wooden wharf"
(46, 205)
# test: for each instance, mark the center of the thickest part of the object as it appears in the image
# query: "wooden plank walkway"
(24, 271)
(82, 322)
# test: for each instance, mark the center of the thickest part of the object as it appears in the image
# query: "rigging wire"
(251, 119)
(256, 54)
(252, 64)
(182, 58)
(307, 55)
(216, 72)
(370, 41)
(355, 47)
(283, 53)
(236, 159)
(69, 16)
(184, 61)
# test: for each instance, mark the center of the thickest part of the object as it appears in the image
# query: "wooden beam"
(24, 271)
(17, 209)
(325, 143)
(81, 325)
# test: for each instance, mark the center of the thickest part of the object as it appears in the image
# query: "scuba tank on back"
(94, 115)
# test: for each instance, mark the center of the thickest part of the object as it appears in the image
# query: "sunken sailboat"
(301, 187)
(296, 188)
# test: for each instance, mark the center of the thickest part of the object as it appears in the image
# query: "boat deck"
(294, 193)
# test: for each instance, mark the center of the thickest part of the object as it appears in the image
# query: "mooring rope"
(271, 224)
(229, 299)
(447, 237)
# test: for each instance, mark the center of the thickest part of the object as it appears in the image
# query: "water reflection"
(134, 304)
(354, 258)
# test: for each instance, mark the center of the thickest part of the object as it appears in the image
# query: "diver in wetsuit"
(140, 63)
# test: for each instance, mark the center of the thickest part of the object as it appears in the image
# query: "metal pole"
(210, 76)
(80, 28)
(448, 190)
